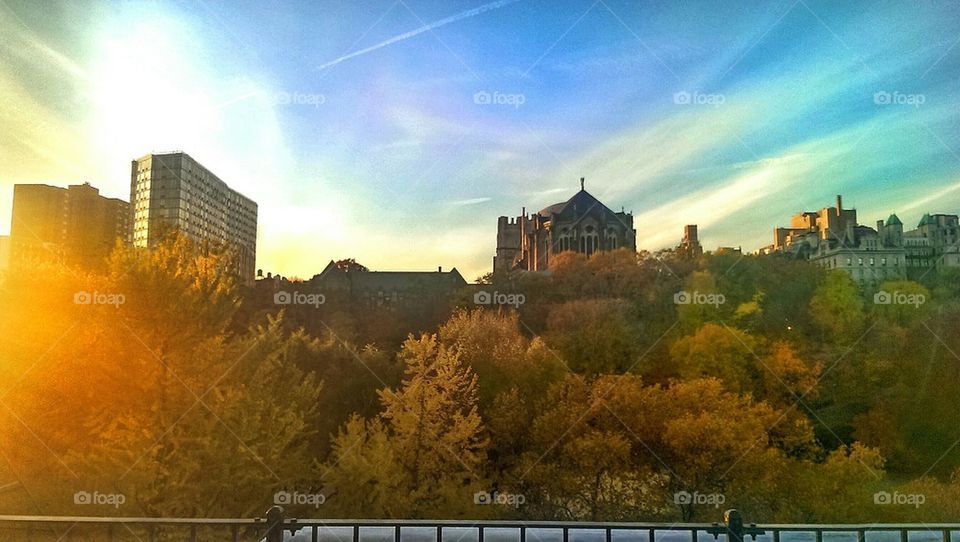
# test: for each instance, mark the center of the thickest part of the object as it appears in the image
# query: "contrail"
(422, 29)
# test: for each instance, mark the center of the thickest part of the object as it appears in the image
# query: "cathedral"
(580, 224)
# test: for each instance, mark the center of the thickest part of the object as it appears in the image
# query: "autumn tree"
(594, 335)
(719, 351)
(658, 443)
(148, 394)
(423, 454)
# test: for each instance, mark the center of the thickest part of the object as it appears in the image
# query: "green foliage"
(837, 308)
(695, 314)
(902, 303)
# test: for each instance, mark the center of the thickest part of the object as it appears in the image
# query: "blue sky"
(731, 115)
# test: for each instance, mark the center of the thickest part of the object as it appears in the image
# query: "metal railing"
(276, 527)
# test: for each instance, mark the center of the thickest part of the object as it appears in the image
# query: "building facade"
(390, 288)
(690, 246)
(581, 224)
(74, 225)
(833, 239)
(4, 253)
(172, 191)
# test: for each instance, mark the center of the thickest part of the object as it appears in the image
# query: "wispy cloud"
(416, 32)
(471, 201)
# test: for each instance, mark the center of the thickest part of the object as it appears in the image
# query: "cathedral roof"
(894, 220)
(925, 220)
(582, 201)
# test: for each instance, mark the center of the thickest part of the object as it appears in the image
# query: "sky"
(396, 132)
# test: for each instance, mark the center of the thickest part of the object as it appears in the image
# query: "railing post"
(274, 524)
(734, 522)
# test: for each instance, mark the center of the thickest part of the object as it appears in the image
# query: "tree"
(700, 301)
(615, 448)
(837, 308)
(429, 435)
(151, 395)
(902, 302)
(581, 463)
(594, 335)
(351, 266)
(494, 347)
(717, 351)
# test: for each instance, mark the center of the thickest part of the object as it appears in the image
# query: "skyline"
(387, 147)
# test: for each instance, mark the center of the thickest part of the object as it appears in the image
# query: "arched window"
(612, 241)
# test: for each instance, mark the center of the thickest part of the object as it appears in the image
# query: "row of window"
(872, 261)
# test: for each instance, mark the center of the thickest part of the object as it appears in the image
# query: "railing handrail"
(468, 523)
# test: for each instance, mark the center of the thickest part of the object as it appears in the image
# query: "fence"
(275, 527)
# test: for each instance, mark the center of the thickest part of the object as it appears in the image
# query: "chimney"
(581, 183)
(879, 225)
(839, 203)
(439, 269)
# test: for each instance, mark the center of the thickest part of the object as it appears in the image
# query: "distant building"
(172, 191)
(833, 239)
(390, 288)
(728, 250)
(581, 224)
(74, 225)
(690, 245)
(934, 242)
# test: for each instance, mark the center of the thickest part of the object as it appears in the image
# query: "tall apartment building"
(4, 253)
(75, 225)
(172, 191)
